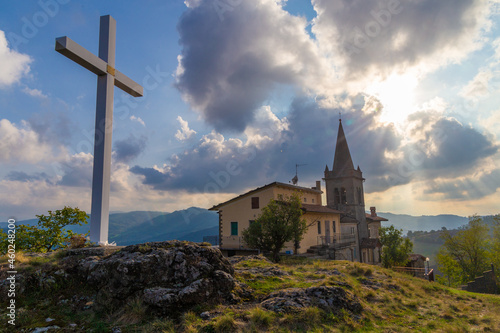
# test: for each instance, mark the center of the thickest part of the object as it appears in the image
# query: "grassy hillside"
(391, 302)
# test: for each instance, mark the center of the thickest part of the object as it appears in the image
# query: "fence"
(336, 240)
(416, 272)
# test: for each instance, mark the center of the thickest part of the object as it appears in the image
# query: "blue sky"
(237, 92)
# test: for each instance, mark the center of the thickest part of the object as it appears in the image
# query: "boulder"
(166, 275)
(330, 299)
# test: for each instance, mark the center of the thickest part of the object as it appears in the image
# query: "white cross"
(107, 78)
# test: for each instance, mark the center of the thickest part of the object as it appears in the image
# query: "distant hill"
(423, 223)
(193, 223)
(144, 226)
(185, 224)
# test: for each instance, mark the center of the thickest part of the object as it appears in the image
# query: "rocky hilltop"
(188, 287)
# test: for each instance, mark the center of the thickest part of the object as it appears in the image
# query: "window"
(305, 199)
(255, 202)
(360, 197)
(312, 200)
(333, 226)
(337, 196)
(343, 196)
(319, 228)
(369, 233)
(352, 230)
(234, 228)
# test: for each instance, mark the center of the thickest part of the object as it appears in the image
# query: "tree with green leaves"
(279, 222)
(50, 232)
(495, 245)
(466, 254)
(395, 247)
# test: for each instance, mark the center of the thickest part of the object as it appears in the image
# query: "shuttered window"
(255, 203)
(234, 228)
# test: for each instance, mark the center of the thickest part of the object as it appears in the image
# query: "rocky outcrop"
(165, 275)
(330, 299)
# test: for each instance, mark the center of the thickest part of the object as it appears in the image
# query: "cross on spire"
(107, 77)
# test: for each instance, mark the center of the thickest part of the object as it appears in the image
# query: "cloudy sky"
(239, 91)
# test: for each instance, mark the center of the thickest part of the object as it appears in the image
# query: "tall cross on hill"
(107, 77)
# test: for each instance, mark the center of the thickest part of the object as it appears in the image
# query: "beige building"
(236, 215)
(342, 227)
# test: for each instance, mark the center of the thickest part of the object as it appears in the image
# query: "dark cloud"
(439, 148)
(231, 62)
(21, 176)
(443, 148)
(308, 137)
(77, 171)
(129, 149)
(466, 189)
(381, 36)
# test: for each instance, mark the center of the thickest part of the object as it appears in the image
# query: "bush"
(50, 233)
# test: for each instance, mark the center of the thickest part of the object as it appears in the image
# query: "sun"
(397, 95)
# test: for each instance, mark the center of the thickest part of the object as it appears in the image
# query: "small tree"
(396, 248)
(50, 233)
(467, 250)
(280, 222)
(495, 245)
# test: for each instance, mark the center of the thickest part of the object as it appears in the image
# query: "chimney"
(318, 185)
(373, 211)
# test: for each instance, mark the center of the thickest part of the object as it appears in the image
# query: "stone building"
(342, 226)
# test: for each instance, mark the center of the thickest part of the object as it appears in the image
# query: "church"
(341, 227)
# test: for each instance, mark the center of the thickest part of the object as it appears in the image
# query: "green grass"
(391, 301)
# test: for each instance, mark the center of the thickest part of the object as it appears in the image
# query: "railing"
(416, 272)
(336, 240)
(233, 242)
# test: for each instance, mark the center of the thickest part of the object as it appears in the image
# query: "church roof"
(342, 162)
(319, 209)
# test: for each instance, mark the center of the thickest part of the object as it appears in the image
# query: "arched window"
(337, 196)
(360, 197)
(343, 196)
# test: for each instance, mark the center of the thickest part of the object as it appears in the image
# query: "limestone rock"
(166, 275)
(330, 299)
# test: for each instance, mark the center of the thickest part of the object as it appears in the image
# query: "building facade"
(342, 225)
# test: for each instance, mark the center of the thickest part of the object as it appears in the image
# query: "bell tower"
(344, 185)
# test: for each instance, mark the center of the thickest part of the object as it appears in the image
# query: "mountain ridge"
(193, 223)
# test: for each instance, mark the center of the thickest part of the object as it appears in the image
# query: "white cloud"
(192, 3)
(185, 133)
(34, 92)
(477, 87)
(138, 119)
(13, 65)
(22, 144)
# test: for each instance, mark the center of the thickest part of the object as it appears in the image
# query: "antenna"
(295, 179)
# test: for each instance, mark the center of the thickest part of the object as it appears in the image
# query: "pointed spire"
(342, 161)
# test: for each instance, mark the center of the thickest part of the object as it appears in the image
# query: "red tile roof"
(278, 184)
(320, 209)
(375, 218)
